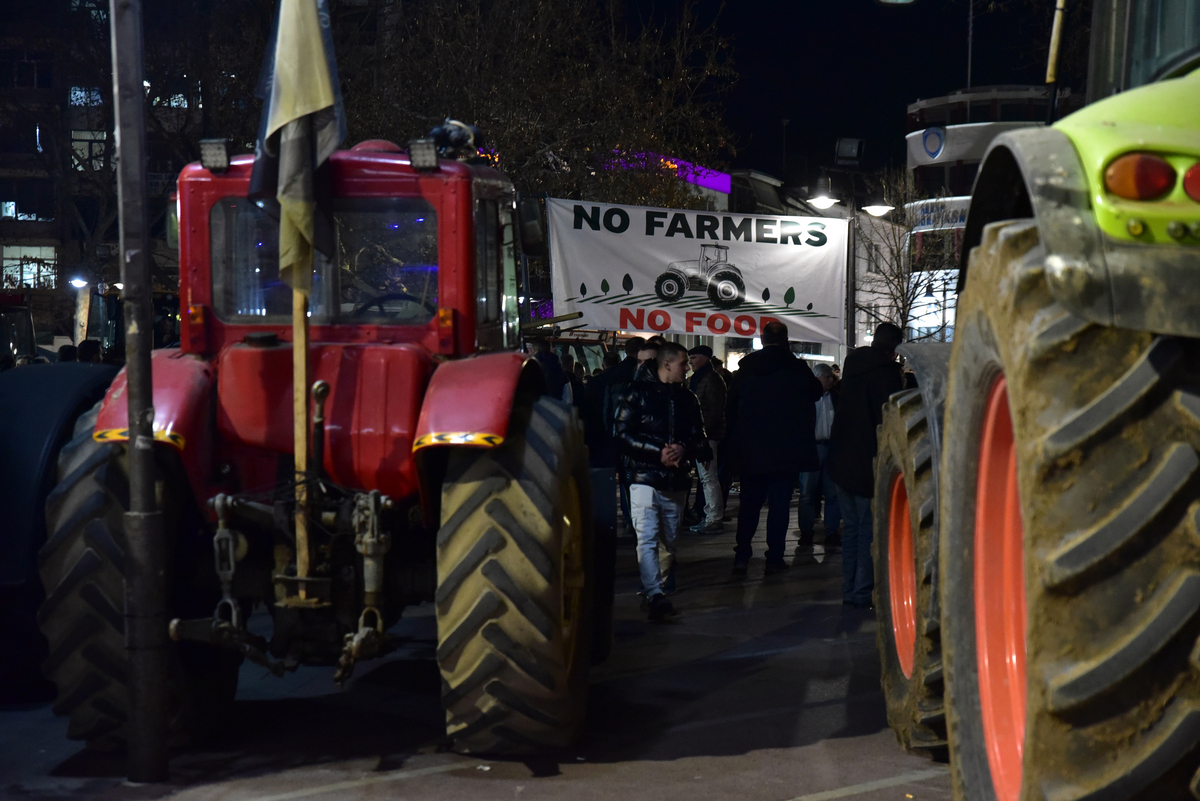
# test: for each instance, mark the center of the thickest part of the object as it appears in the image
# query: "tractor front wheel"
(1070, 557)
(514, 599)
(905, 545)
(670, 287)
(83, 567)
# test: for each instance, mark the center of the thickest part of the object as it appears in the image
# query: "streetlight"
(78, 283)
(823, 199)
(877, 207)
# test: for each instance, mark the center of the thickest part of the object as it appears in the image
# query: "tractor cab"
(105, 321)
(1137, 42)
(713, 256)
(16, 326)
(396, 271)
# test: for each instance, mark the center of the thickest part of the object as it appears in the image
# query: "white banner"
(654, 271)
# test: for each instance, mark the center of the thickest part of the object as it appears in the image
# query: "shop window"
(25, 266)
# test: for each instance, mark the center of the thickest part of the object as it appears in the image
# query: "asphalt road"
(761, 688)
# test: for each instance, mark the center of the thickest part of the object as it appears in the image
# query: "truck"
(1036, 516)
(439, 471)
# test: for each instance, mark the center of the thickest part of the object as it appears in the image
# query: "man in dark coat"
(709, 387)
(659, 431)
(771, 424)
(869, 376)
(600, 405)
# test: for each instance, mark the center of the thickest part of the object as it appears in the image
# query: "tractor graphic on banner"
(712, 272)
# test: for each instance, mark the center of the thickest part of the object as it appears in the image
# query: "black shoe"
(776, 566)
(660, 607)
(833, 544)
(740, 566)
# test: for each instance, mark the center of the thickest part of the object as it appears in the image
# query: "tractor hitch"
(223, 634)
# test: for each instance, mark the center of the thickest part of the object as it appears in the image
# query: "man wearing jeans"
(816, 486)
(771, 425)
(869, 376)
(659, 431)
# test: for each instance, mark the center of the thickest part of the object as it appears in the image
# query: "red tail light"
(1139, 176)
(1191, 182)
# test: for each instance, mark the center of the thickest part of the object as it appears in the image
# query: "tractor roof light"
(1139, 176)
(78, 283)
(1191, 182)
(214, 154)
(422, 154)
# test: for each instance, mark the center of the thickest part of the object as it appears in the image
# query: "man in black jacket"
(869, 376)
(771, 424)
(659, 431)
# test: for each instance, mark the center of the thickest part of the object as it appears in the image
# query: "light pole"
(783, 173)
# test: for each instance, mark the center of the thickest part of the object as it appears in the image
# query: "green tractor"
(1037, 502)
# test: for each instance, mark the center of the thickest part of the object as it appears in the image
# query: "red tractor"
(438, 472)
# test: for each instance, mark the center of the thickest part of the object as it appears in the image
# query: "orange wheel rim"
(902, 576)
(1000, 597)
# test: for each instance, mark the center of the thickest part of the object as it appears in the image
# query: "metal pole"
(970, 38)
(851, 283)
(145, 585)
(1052, 62)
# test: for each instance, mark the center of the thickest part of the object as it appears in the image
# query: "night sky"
(850, 67)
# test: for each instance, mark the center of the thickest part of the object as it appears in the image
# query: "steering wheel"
(363, 310)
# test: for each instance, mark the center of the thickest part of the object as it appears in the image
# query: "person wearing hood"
(772, 419)
(659, 432)
(869, 376)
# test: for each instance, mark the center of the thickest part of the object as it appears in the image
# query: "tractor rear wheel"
(1069, 545)
(726, 290)
(82, 567)
(909, 635)
(514, 598)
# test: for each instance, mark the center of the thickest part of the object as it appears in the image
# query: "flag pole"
(300, 412)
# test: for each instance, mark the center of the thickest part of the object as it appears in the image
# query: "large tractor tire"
(83, 566)
(40, 407)
(1070, 553)
(905, 554)
(514, 598)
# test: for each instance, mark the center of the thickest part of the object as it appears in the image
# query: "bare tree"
(572, 102)
(910, 270)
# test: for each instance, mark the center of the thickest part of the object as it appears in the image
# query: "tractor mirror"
(532, 226)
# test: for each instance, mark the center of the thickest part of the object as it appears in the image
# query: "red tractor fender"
(183, 393)
(469, 401)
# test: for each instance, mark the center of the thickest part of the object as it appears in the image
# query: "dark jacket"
(556, 377)
(600, 410)
(771, 414)
(651, 416)
(869, 376)
(709, 388)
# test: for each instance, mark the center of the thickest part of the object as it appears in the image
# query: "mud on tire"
(82, 569)
(514, 597)
(912, 682)
(1106, 427)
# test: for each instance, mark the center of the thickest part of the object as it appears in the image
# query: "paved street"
(763, 688)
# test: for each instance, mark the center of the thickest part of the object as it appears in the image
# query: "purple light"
(685, 170)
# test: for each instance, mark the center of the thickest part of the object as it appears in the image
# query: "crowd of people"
(88, 351)
(774, 425)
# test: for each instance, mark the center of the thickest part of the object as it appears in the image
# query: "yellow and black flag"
(302, 124)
